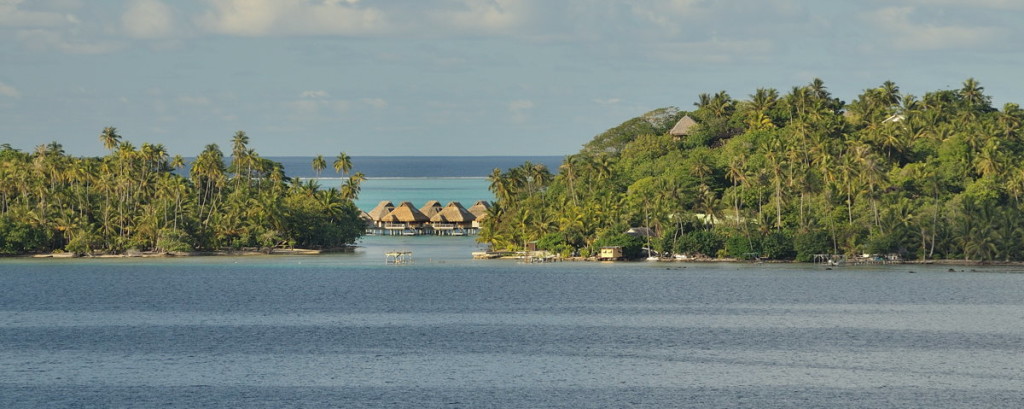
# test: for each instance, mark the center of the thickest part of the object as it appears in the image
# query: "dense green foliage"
(132, 199)
(786, 177)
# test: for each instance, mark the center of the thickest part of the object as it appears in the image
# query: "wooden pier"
(398, 257)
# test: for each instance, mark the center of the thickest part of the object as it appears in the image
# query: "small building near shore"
(453, 216)
(610, 253)
(367, 220)
(404, 217)
(480, 210)
(645, 232)
(377, 214)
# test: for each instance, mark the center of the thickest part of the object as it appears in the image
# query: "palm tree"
(350, 190)
(890, 93)
(239, 156)
(973, 94)
(500, 185)
(568, 171)
(319, 164)
(110, 138)
(343, 163)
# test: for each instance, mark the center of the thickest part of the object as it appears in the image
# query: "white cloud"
(713, 50)
(148, 19)
(974, 4)
(290, 17)
(353, 18)
(314, 94)
(378, 103)
(9, 91)
(194, 101)
(667, 14)
(494, 16)
(11, 15)
(904, 33)
(608, 101)
(41, 39)
(519, 109)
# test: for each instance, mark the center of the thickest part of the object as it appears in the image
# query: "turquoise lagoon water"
(466, 190)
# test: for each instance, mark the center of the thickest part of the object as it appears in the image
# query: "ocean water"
(464, 190)
(417, 179)
(417, 166)
(446, 331)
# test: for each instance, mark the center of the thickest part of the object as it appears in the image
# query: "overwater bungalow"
(431, 208)
(406, 219)
(378, 213)
(367, 220)
(453, 219)
(479, 210)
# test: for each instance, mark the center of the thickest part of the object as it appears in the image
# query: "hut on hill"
(683, 127)
(453, 217)
(431, 208)
(377, 214)
(480, 210)
(405, 217)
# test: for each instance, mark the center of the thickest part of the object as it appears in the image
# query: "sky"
(458, 77)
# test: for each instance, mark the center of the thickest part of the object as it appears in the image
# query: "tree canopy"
(140, 198)
(787, 176)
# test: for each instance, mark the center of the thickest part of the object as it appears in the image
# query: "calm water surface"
(346, 330)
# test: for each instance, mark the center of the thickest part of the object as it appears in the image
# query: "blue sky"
(458, 77)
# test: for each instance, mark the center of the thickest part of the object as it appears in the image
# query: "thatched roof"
(405, 213)
(453, 213)
(641, 232)
(431, 208)
(683, 127)
(480, 209)
(382, 209)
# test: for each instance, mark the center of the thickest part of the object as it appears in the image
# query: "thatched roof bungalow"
(365, 217)
(683, 127)
(480, 210)
(406, 216)
(382, 209)
(431, 208)
(455, 215)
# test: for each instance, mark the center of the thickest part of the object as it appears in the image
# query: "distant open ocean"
(417, 166)
(417, 179)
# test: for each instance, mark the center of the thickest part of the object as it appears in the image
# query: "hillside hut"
(404, 217)
(683, 127)
(642, 232)
(480, 210)
(431, 208)
(453, 217)
(378, 213)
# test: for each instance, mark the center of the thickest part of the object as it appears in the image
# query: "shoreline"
(538, 258)
(171, 254)
(481, 256)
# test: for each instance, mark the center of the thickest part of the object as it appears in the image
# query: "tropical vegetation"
(143, 199)
(786, 175)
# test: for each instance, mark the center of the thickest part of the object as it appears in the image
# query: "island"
(795, 175)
